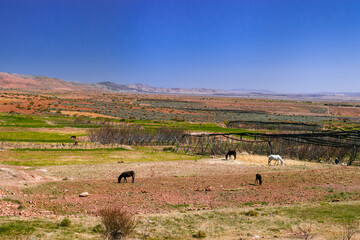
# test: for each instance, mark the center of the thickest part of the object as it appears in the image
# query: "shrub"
(168, 149)
(252, 213)
(349, 229)
(65, 222)
(21, 207)
(306, 231)
(200, 234)
(118, 223)
(98, 229)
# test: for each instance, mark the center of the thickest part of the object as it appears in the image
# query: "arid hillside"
(28, 82)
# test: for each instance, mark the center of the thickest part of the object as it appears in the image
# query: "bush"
(306, 231)
(168, 149)
(252, 213)
(118, 223)
(21, 207)
(200, 234)
(98, 229)
(65, 222)
(349, 229)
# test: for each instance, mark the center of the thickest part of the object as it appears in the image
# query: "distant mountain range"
(29, 82)
(143, 88)
(44, 83)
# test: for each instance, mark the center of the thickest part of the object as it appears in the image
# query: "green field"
(327, 221)
(56, 157)
(32, 136)
(40, 228)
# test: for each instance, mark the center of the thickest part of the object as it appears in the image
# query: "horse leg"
(133, 178)
(125, 179)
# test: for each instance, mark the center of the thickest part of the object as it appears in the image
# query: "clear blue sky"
(283, 46)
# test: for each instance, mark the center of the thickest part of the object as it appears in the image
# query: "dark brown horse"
(125, 175)
(258, 179)
(229, 153)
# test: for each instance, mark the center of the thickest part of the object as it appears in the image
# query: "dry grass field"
(180, 107)
(175, 199)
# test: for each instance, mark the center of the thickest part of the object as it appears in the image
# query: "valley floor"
(179, 198)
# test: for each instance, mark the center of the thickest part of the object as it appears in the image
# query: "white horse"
(276, 158)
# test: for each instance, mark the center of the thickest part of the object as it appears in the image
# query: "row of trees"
(283, 126)
(219, 145)
(135, 135)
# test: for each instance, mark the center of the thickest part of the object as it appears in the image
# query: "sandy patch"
(86, 114)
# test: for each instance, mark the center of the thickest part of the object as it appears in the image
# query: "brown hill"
(43, 83)
(28, 82)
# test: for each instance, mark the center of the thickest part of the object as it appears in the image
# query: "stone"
(84, 194)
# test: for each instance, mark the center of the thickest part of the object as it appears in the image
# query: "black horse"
(125, 175)
(73, 137)
(229, 153)
(258, 179)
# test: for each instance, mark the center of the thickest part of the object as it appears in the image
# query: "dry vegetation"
(178, 199)
(175, 196)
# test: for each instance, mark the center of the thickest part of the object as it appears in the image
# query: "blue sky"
(283, 46)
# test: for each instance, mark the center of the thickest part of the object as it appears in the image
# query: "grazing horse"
(73, 137)
(125, 175)
(276, 158)
(258, 179)
(229, 153)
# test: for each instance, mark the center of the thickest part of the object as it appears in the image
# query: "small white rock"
(84, 194)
